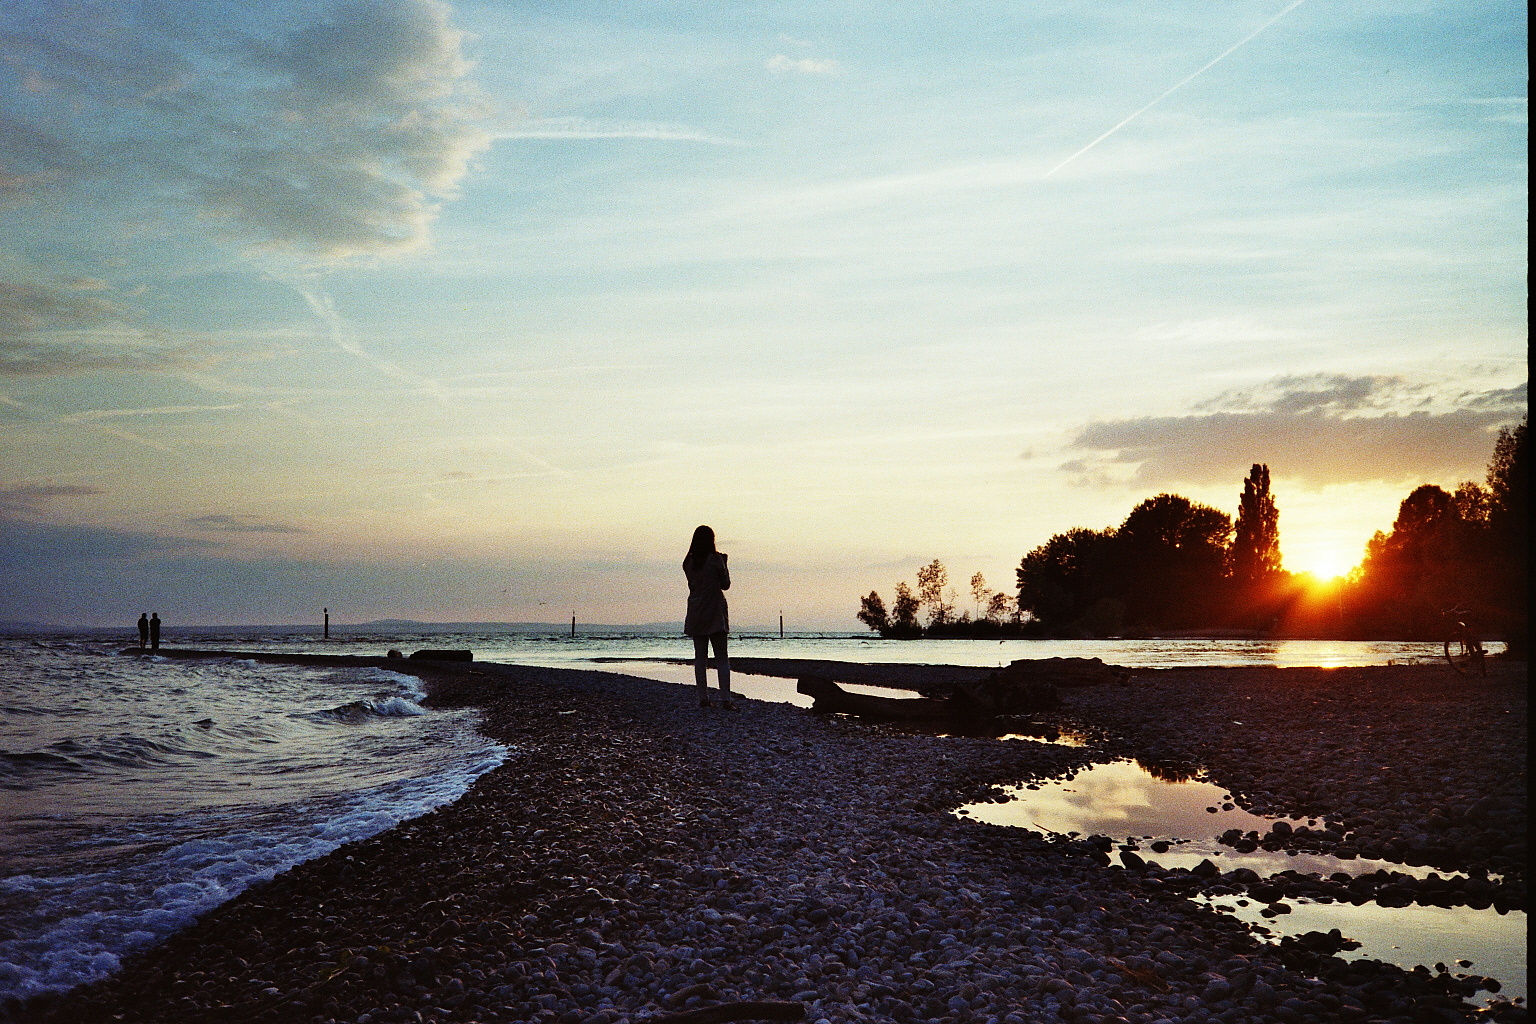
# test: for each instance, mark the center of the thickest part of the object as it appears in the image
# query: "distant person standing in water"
(143, 629)
(708, 619)
(154, 631)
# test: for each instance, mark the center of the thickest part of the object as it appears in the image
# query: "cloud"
(51, 329)
(27, 309)
(241, 523)
(584, 128)
(46, 547)
(801, 65)
(1333, 394)
(1505, 399)
(1503, 109)
(1324, 429)
(329, 131)
(32, 498)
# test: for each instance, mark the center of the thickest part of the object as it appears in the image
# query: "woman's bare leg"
(722, 665)
(701, 667)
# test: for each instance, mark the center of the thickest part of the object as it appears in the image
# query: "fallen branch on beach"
(1022, 688)
(833, 699)
(762, 1009)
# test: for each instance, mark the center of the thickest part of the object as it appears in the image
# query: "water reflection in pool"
(1492, 944)
(1125, 801)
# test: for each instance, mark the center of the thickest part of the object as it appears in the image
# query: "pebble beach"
(639, 858)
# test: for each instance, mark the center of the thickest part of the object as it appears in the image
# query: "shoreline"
(634, 848)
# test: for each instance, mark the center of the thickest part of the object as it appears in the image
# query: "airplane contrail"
(321, 304)
(1175, 87)
(117, 432)
(324, 308)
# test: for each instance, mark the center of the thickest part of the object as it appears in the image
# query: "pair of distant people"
(149, 630)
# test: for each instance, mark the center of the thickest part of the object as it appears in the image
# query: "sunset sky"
(473, 311)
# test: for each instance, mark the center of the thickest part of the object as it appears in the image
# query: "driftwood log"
(833, 699)
(763, 1009)
(1065, 671)
(1027, 686)
(1022, 688)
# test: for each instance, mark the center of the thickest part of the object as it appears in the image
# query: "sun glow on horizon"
(1322, 563)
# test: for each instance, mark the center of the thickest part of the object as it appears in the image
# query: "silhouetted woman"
(708, 619)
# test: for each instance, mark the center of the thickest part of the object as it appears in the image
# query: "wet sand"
(638, 856)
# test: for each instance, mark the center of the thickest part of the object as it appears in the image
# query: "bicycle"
(1463, 650)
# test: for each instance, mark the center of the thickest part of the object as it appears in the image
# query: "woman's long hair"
(702, 547)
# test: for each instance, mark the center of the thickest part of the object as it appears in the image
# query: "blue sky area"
(474, 310)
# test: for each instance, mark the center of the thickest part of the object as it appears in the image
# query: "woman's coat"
(707, 584)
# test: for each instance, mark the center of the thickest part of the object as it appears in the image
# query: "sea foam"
(87, 922)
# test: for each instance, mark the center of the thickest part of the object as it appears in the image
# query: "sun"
(1324, 562)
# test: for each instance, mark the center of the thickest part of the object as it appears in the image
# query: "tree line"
(935, 600)
(1177, 565)
(1467, 549)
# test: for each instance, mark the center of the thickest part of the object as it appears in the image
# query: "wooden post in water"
(781, 625)
(327, 623)
(573, 624)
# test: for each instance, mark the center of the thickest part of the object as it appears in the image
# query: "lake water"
(139, 794)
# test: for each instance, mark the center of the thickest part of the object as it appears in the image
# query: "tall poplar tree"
(1256, 545)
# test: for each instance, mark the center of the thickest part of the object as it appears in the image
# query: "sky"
(473, 311)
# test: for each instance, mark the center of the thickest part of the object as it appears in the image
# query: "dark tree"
(1062, 579)
(932, 579)
(1172, 560)
(904, 612)
(1256, 540)
(1509, 471)
(1466, 550)
(872, 613)
(997, 607)
(1431, 561)
(1509, 524)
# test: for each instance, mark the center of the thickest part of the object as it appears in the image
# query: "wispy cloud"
(1505, 109)
(341, 334)
(42, 550)
(34, 498)
(345, 338)
(48, 329)
(92, 415)
(46, 416)
(801, 65)
(1331, 394)
(585, 128)
(241, 523)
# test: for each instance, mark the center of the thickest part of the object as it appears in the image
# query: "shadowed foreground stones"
(638, 857)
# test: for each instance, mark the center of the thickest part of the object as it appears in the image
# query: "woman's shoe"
(704, 702)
